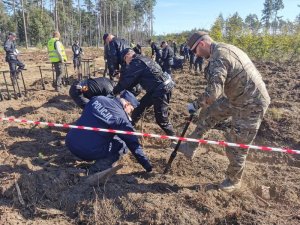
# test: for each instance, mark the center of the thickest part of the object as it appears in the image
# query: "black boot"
(101, 165)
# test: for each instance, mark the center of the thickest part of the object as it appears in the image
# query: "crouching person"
(106, 148)
(81, 92)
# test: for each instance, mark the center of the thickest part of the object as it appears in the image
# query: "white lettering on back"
(106, 115)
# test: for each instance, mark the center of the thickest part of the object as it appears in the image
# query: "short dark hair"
(105, 36)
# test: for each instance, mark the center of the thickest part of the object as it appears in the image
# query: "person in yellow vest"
(57, 56)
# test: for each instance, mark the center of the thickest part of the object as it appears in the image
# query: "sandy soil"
(51, 182)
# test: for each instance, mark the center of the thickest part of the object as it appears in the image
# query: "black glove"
(110, 95)
(191, 108)
(149, 169)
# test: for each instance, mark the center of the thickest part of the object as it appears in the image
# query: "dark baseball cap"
(128, 96)
(195, 38)
(12, 34)
(105, 36)
(124, 52)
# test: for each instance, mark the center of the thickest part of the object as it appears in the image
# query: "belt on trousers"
(166, 82)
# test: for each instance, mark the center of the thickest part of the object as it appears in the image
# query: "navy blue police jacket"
(108, 113)
(113, 52)
(144, 71)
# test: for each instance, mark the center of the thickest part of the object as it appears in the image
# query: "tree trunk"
(122, 28)
(55, 15)
(117, 6)
(110, 20)
(24, 24)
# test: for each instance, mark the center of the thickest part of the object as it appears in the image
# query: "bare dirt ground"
(42, 183)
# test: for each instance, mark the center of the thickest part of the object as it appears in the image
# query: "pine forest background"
(263, 35)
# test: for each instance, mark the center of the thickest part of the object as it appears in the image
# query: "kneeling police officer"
(106, 148)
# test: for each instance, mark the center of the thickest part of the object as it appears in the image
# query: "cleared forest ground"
(35, 159)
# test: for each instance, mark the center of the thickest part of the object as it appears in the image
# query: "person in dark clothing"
(181, 50)
(192, 60)
(157, 84)
(15, 65)
(114, 47)
(186, 52)
(138, 49)
(77, 52)
(198, 64)
(82, 91)
(167, 58)
(155, 51)
(174, 45)
(106, 148)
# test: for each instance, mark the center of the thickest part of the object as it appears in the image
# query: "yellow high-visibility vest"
(52, 52)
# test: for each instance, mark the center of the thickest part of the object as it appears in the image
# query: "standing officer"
(235, 88)
(106, 148)
(81, 92)
(12, 56)
(113, 53)
(174, 45)
(157, 84)
(167, 57)
(155, 51)
(57, 56)
(77, 51)
(198, 64)
(105, 72)
(192, 60)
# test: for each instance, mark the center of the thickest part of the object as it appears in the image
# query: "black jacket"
(10, 48)
(155, 50)
(97, 86)
(167, 56)
(113, 52)
(144, 71)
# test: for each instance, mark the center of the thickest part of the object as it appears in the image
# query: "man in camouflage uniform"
(235, 88)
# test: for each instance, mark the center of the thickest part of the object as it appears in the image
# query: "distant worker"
(156, 51)
(106, 48)
(81, 92)
(115, 46)
(174, 45)
(106, 148)
(58, 57)
(167, 57)
(157, 84)
(198, 64)
(235, 89)
(186, 52)
(77, 52)
(192, 61)
(15, 65)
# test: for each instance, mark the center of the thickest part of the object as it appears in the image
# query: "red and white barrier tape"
(221, 143)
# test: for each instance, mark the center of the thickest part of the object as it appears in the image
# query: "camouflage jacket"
(231, 73)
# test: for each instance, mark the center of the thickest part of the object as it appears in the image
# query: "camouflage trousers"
(244, 126)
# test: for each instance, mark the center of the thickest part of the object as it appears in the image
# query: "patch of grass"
(276, 113)
(104, 212)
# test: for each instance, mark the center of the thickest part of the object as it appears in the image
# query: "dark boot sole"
(103, 176)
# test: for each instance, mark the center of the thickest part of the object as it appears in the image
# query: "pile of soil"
(41, 182)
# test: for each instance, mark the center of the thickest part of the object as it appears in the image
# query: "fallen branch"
(21, 200)
(261, 199)
(47, 163)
